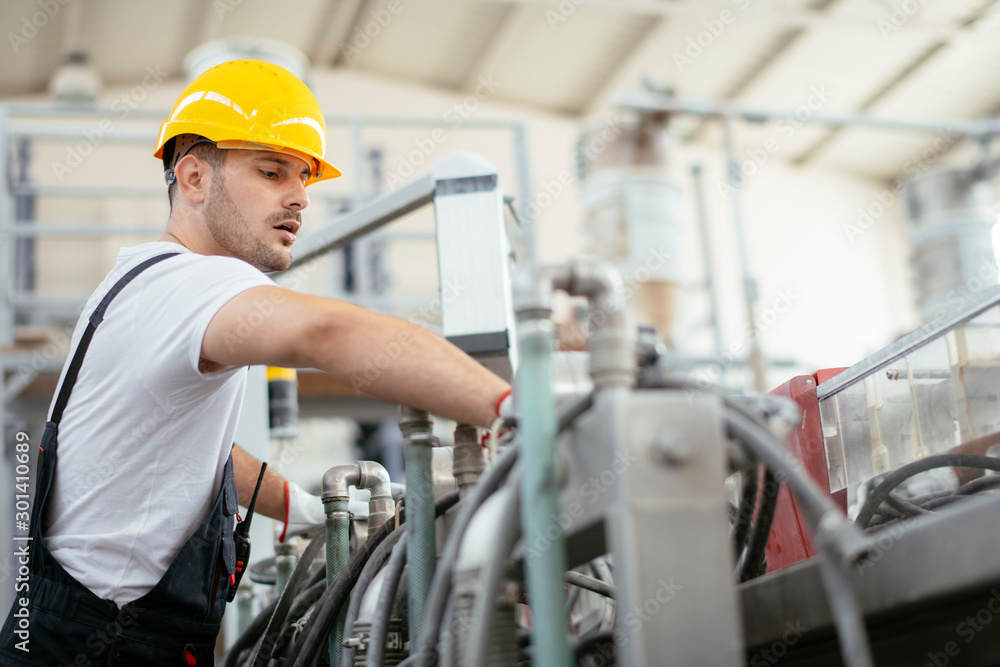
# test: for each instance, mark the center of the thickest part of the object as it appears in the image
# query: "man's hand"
(382, 356)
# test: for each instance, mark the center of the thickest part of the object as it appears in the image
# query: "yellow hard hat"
(255, 105)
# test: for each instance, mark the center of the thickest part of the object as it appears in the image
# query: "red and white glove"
(303, 512)
(505, 405)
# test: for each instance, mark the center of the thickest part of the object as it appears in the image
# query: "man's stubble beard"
(233, 233)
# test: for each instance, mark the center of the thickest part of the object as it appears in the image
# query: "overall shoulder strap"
(95, 319)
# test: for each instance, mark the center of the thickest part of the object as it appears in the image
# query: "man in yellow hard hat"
(136, 558)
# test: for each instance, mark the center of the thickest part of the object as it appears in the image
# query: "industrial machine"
(625, 513)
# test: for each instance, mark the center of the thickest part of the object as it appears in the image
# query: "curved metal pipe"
(610, 343)
(338, 480)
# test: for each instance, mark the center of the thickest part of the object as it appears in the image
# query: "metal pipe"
(734, 179)
(470, 458)
(713, 297)
(286, 557)
(646, 101)
(610, 342)
(381, 507)
(337, 482)
(421, 551)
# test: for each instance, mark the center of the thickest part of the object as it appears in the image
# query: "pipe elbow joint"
(338, 480)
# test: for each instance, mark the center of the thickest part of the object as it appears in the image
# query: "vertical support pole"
(706, 249)
(670, 469)
(527, 235)
(749, 284)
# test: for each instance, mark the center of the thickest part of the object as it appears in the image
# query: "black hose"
(265, 646)
(590, 584)
(491, 574)
(903, 506)
(302, 603)
(248, 638)
(328, 609)
(977, 485)
(317, 628)
(744, 515)
(903, 473)
(437, 596)
(851, 634)
(379, 630)
(753, 557)
(371, 568)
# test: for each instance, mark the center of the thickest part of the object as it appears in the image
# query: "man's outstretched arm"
(382, 356)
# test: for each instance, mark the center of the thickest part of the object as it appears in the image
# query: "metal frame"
(916, 338)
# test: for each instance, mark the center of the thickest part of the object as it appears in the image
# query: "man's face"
(254, 207)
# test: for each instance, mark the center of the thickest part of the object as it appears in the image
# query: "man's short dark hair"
(209, 152)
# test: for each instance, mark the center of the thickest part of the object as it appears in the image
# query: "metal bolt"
(673, 449)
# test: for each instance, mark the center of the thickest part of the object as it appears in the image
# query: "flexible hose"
(248, 638)
(379, 630)
(851, 634)
(590, 584)
(977, 485)
(265, 647)
(371, 568)
(540, 494)
(338, 552)
(754, 555)
(489, 578)
(421, 549)
(334, 596)
(903, 473)
(328, 607)
(490, 480)
(744, 514)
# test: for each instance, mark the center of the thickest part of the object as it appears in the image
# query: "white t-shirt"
(145, 436)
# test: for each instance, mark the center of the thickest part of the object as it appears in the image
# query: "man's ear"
(193, 176)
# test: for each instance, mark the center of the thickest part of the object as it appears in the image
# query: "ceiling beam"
(333, 30)
(512, 24)
(920, 62)
(649, 34)
(787, 18)
(785, 42)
